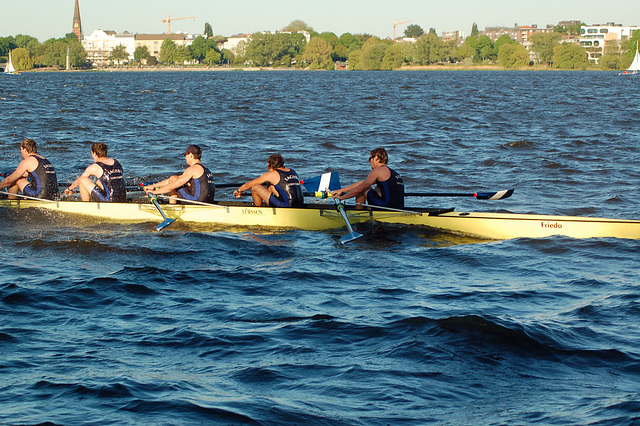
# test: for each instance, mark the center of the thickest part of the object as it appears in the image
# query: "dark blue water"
(116, 323)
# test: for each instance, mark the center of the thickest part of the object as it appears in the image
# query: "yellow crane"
(169, 19)
(394, 27)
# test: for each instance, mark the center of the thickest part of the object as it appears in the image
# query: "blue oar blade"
(350, 237)
(164, 224)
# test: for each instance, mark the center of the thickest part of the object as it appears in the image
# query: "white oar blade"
(350, 237)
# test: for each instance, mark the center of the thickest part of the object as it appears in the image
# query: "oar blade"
(164, 224)
(350, 237)
(500, 195)
(326, 181)
(167, 221)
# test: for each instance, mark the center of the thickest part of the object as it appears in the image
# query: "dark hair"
(30, 146)
(100, 149)
(381, 153)
(195, 150)
(275, 161)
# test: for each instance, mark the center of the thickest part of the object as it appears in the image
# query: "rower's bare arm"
(92, 170)
(20, 172)
(265, 177)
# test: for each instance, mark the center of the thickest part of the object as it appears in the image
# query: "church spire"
(77, 24)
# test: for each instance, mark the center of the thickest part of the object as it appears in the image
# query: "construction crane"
(394, 28)
(169, 19)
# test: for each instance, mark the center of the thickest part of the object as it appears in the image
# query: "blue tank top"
(113, 181)
(289, 189)
(43, 180)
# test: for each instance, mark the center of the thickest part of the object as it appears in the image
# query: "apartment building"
(100, 43)
(595, 37)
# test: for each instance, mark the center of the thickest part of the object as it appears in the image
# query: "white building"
(235, 43)
(594, 37)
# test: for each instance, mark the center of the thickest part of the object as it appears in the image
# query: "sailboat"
(9, 69)
(634, 68)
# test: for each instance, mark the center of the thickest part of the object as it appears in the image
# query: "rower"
(389, 189)
(109, 183)
(34, 176)
(283, 186)
(194, 184)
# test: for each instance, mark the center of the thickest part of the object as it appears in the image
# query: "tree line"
(290, 48)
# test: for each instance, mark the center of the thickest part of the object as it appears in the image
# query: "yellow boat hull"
(320, 217)
(502, 226)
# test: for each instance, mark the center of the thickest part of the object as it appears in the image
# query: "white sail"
(635, 65)
(9, 69)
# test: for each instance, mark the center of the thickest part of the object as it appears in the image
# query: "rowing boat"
(320, 216)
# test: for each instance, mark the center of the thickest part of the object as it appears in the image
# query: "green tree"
(371, 54)
(27, 42)
(503, 39)
(53, 53)
(329, 37)
(21, 59)
(485, 48)
(297, 25)
(199, 48)
(208, 30)
(274, 49)
(632, 45)
(394, 57)
(141, 53)
(468, 48)
(213, 57)
(570, 57)
(7, 44)
(168, 51)
(77, 54)
(317, 54)
(474, 30)
(513, 55)
(573, 29)
(119, 54)
(413, 31)
(227, 57)
(183, 55)
(613, 58)
(543, 44)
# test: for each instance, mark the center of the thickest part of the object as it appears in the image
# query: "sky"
(46, 19)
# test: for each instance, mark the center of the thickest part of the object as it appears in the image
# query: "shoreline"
(448, 67)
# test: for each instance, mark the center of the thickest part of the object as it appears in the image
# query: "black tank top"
(44, 181)
(206, 186)
(393, 190)
(289, 183)
(113, 180)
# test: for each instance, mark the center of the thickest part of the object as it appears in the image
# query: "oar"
(352, 235)
(167, 221)
(499, 195)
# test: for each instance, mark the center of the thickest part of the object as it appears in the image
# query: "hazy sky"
(45, 19)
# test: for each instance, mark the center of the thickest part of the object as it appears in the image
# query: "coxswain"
(103, 180)
(34, 176)
(389, 186)
(282, 186)
(194, 184)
